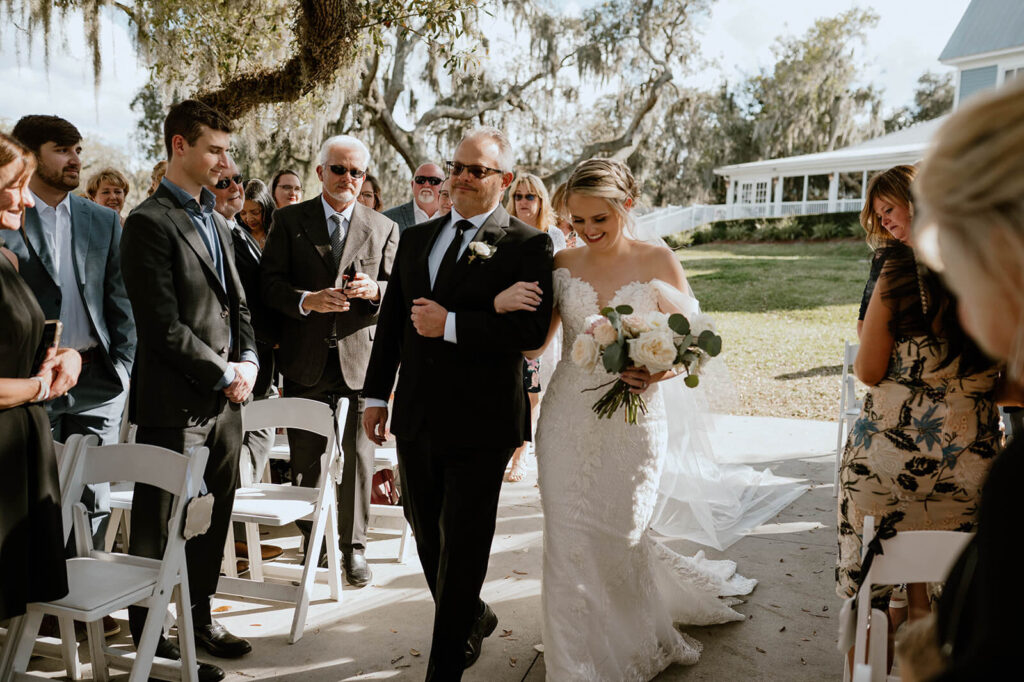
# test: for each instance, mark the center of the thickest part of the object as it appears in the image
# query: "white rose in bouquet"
(657, 319)
(654, 350)
(702, 322)
(605, 335)
(586, 353)
(634, 325)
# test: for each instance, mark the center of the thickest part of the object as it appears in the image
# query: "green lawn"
(783, 310)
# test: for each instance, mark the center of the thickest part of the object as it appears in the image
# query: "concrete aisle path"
(382, 632)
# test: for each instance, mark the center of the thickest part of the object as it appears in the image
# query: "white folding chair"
(66, 648)
(270, 504)
(911, 556)
(849, 407)
(387, 458)
(101, 583)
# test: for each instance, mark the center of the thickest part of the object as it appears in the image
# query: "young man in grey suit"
(69, 254)
(426, 188)
(197, 360)
(324, 269)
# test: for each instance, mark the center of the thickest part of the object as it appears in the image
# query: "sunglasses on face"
(424, 179)
(528, 197)
(338, 169)
(224, 183)
(479, 172)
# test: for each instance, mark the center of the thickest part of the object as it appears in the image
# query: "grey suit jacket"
(95, 241)
(404, 215)
(297, 258)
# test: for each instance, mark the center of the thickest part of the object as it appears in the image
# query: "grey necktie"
(337, 239)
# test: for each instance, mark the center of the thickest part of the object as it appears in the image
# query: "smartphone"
(52, 330)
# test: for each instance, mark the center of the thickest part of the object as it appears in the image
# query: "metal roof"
(903, 146)
(986, 26)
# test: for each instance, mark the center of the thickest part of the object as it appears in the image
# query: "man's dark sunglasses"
(519, 197)
(338, 169)
(224, 183)
(424, 179)
(479, 172)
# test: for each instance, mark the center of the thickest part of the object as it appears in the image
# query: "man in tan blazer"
(325, 269)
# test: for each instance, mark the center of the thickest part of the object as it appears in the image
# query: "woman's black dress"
(31, 537)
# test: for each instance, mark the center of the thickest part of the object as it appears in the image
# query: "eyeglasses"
(528, 197)
(479, 172)
(338, 169)
(424, 179)
(224, 183)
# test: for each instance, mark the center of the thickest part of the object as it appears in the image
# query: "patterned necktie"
(451, 256)
(337, 239)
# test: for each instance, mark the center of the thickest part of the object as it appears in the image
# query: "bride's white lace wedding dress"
(611, 593)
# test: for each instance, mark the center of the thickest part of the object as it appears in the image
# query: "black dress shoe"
(219, 642)
(208, 672)
(483, 627)
(357, 573)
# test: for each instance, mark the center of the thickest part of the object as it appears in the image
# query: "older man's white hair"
(344, 142)
(505, 160)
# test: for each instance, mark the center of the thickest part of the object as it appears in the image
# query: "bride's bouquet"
(618, 339)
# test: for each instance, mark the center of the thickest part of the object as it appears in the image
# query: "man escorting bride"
(611, 593)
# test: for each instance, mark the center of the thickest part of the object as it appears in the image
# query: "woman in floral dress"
(929, 429)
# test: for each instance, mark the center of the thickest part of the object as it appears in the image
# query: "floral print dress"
(917, 457)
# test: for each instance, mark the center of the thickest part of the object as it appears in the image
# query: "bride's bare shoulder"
(567, 258)
(661, 262)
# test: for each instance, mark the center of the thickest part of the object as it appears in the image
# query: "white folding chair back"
(101, 583)
(849, 407)
(269, 504)
(911, 556)
(387, 458)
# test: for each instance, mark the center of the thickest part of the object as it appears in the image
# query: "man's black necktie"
(451, 256)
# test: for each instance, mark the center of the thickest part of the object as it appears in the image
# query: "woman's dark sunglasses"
(224, 183)
(479, 172)
(424, 179)
(338, 169)
(519, 197)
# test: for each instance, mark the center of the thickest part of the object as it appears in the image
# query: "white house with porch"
(987, 49)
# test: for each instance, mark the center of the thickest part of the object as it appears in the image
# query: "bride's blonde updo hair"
(608, 179)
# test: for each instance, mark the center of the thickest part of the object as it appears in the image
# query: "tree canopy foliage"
(411, 76)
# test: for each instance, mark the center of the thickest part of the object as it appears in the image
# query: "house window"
(761, 195)
(746, 192)
(1012, 74)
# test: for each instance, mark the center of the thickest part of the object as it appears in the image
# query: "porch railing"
(672, 219)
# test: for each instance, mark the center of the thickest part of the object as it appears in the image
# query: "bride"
(612, 593)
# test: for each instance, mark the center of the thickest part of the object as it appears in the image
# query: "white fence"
(672, 219)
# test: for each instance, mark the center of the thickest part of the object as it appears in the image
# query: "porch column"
(864, 185)
(778, 196)
(833, 191)
(803, 205)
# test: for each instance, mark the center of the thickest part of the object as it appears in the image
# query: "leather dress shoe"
(483, 627)
(208, 672)
(217, 641)
(357, 572)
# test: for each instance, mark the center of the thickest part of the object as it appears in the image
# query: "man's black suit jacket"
(468, 393)
(189, 326)
(297, 258)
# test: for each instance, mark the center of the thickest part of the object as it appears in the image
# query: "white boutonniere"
(481, 250)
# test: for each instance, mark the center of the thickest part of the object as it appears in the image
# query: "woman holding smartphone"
(31, 532)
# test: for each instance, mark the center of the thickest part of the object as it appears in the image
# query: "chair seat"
(94, 583)
(274, 505)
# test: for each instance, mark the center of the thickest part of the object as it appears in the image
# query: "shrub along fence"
(821, 227)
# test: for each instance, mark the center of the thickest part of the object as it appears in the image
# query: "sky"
(736, 39)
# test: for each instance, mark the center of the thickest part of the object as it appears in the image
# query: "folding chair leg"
(404, 542)
(252, 540)
(151, 632)
(186, 636)
(229, 564)
(333, 567)
(305, 590)
(19, 646)
(69, 647)
(112, 527)
(97, 651)
(15, 630)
